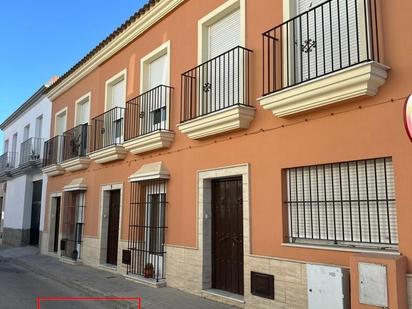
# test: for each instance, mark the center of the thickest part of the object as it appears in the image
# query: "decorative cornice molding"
(123, 39)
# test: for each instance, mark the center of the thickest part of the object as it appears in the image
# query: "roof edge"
(152, 12)
(24, 107)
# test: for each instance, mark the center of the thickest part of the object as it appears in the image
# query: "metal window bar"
(147, 227)
(107, 129)
(75, 142)
(148, 112)
(8, 161)
(348, 203)
(53, 151)
(31, 150)
(329, 37)
(73, 224)
(217, 84)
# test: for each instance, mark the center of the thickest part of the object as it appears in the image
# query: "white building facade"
(22, 183)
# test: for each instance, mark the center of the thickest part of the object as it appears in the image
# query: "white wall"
(19, 193)
(15, 199)
(42, 108)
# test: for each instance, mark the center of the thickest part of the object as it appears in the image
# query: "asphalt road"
(19, 289)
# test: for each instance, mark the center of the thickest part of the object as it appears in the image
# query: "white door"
(83, 112)
(26, 133)
(154, 236)
(118, 95)
(220, 77)
(326, 37)
(114, 120)
(155, 107)
(39, 127)
(61, 120)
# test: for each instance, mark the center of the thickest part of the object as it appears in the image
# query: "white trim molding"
(53, 170)
(108, 154)
(360, 80)
(149, 142)
(203, 25)
(76, 164)
(232, 118)
(139, 26)
(156, 170)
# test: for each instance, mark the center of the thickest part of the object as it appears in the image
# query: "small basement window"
(346, 204)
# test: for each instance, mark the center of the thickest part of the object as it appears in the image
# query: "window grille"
(347, 203)
(147, 229)
(73, 222)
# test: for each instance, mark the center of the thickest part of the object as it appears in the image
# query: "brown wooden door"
(113, 227)
(56, 225)
(35, 213)
(227, 235)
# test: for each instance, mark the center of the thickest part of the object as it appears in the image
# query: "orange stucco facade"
(362, 128)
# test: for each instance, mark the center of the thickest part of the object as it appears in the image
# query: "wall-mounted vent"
(262, 285)
(126, 257)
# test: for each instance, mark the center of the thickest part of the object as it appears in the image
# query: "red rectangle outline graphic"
(132, 299)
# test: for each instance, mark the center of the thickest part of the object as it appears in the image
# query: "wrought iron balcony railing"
(75, 142)
(149, 112)
(332, 36)
(217, 84)
(107, 129)
(8, 161)
(53, 151)
(31, 150)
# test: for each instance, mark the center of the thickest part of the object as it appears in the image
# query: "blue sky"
(39, 39)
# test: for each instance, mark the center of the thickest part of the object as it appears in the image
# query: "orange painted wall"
(375, 130)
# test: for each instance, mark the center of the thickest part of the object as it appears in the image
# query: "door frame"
(49, 212)
(103, 222)
(213, 211)
(204, 215)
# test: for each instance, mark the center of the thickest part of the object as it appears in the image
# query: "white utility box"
(328, 287)
(373, 287)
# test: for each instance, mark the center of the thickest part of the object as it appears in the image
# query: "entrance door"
(227, 235)
(56, 223)
(35, 213)
(113, 227)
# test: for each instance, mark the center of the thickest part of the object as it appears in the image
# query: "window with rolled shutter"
(347, 203)
(224, 75)
(327, 36)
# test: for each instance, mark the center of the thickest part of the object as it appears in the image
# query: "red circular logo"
(408, 116)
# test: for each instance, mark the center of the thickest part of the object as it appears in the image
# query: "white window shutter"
(118, 95)
(334, 34)
(158, 72)
(224, 34)
(343, 202)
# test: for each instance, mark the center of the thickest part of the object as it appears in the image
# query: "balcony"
(31, 152)
(75, 147)
(148, 121)
(216, 95)
(53, 155)
(8, 161)
(326, 55)
(107, 136)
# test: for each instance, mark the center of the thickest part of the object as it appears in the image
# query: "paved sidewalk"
(101, 283)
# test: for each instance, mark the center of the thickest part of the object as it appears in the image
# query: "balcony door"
(221, 76)
(327, 37)
(154, 108)
(114, 120)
